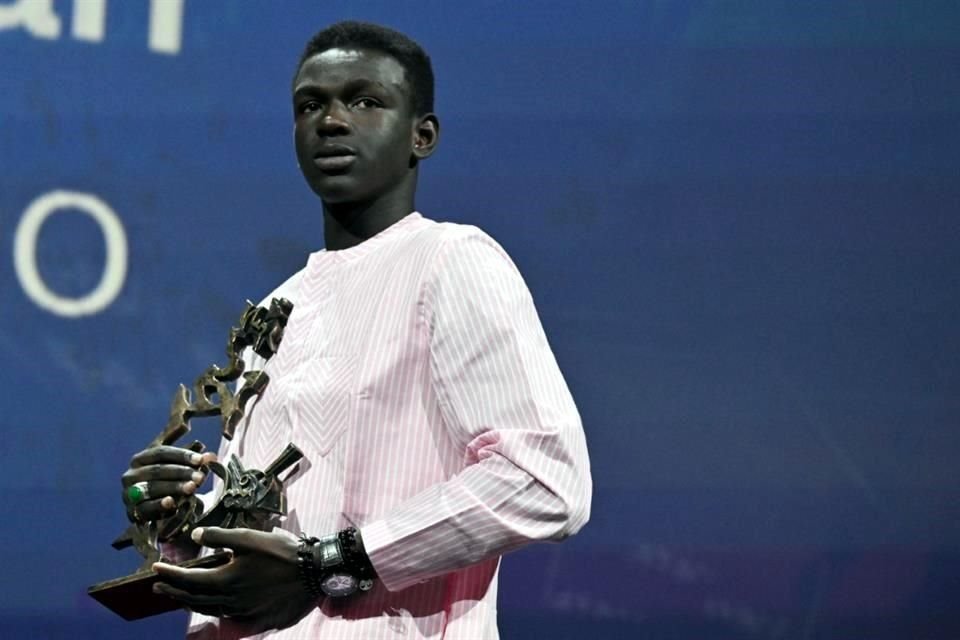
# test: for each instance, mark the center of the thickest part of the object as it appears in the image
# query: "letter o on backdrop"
(25, 253)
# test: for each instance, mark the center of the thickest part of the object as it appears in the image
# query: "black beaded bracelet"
(306, 566)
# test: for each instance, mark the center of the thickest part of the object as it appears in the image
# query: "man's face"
(353, 124)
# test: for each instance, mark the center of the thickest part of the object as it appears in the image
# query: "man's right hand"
(168, 474)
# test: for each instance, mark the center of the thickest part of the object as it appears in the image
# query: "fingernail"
(196, 459)
(189, 487)
(197, 535)
(197, 477)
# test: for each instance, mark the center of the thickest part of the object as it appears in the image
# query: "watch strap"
(340, 553)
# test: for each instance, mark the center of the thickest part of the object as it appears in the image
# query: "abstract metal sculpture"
(250, 498)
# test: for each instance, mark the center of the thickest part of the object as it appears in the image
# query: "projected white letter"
(25, 250)
(36, 16)
(166, 25)
(89, 19)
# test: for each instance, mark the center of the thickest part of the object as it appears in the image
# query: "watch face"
(339, 584)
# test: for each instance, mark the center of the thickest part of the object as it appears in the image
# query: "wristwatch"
(335, 565)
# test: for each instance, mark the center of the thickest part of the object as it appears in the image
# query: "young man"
(414, 374)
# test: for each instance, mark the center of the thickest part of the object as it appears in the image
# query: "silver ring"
(138, 492)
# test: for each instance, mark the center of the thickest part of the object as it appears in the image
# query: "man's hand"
(169, 473)
(260, 585)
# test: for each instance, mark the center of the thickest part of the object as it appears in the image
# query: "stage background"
(739, 221)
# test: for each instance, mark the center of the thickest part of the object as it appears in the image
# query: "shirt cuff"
(377, 541)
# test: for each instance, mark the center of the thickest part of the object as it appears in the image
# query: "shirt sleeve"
(526, 474)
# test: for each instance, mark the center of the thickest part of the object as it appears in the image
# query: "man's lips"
(334, 157)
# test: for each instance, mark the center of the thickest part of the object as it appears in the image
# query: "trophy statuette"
(250, 498)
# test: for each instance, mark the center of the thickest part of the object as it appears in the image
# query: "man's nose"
(334, 121)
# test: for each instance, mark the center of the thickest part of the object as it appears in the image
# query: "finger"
(166, 455)
(280, 545)
(150, 510)
(162, 472)
(208, 581)
(236, 539)
(158, 490)
(206, 603)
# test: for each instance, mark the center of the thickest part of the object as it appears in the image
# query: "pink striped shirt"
(416, 377)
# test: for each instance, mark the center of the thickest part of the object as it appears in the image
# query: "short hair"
(365, 35)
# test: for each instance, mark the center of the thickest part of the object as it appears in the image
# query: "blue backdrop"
(739, 221)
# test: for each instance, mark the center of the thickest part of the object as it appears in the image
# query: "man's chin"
(335, 190)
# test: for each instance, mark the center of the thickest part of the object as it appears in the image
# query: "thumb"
(235, 539)
(239, 540)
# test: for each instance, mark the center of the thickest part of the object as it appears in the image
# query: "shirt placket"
(315, 347)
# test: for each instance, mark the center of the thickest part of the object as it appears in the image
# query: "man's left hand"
(259, 586)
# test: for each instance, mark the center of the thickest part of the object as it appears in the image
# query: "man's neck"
(348, 225)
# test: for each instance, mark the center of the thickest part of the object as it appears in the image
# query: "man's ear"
(426, 135)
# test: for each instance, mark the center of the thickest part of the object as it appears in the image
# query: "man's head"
(362, 102)
(364, 35)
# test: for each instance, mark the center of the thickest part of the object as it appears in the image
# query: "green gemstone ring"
(137, 492)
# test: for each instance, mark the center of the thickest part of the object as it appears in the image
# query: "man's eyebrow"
(363, 83)
(357, 84)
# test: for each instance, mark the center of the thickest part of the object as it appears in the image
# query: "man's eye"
(366, 103)
(309, 107)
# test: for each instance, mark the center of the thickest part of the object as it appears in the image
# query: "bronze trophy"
(251, 498)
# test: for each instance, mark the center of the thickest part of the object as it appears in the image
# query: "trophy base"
(132, 597)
